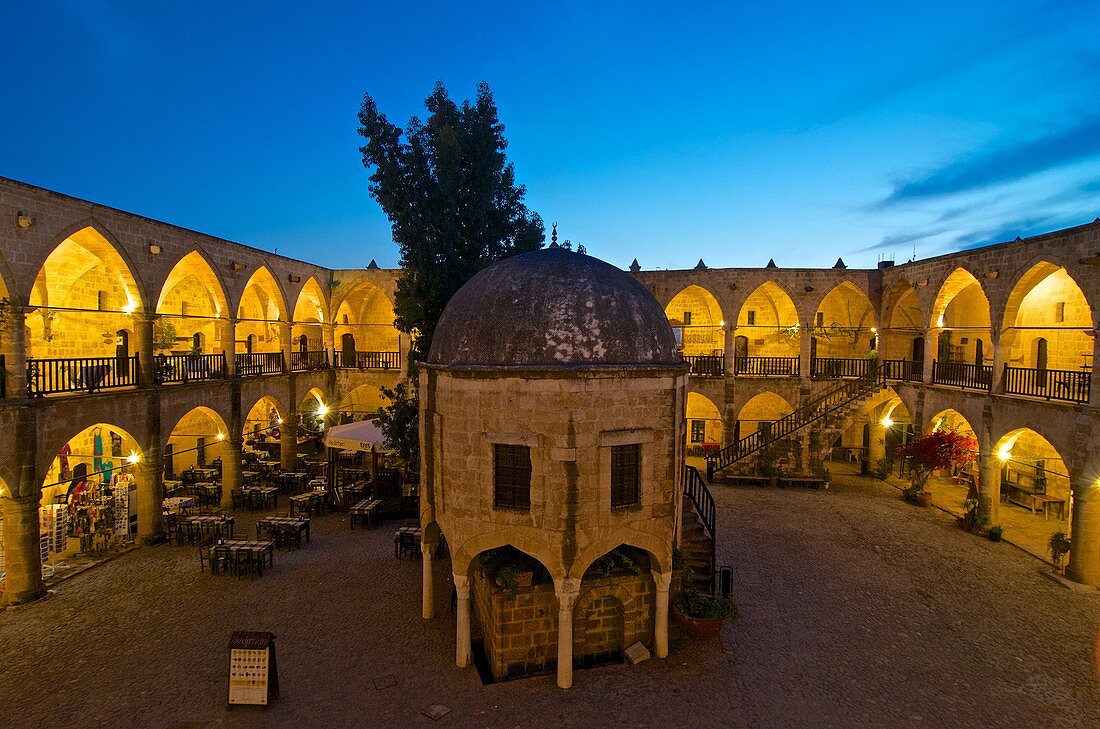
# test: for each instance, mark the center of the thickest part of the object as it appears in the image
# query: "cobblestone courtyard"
(857, 610)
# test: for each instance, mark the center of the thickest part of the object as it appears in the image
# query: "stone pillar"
(22, 561)
(285, 344)
(288, 442)
(727, 359)
(228, 334)
(1094, 389)
(328, 339)
(232, 454)
(428, 597)
(989, 486)
(1084, 553)
(805, 340)
(567, 592)
(931, 346)
(877, 447)
(143, 332)
(150, 497)
(1001, 342)
(15, 354)
(660, 614)
(462, 621)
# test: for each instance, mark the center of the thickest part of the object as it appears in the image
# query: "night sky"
(735, 132)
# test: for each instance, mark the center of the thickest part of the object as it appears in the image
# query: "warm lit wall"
(183, 306)
(701, 408)
(704, 335)
(847, 321)
(774, 312)
(967, 315)
(1067, 340)
(185, 437)
(765, 407)
(367, 315)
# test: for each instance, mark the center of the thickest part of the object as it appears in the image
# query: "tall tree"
(452, 200)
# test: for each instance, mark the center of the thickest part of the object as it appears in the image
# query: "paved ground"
(857, 610)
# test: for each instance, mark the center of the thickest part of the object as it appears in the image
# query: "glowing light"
(874, 330)
(939, 321)
(887, 422)
(133, 457)
(322, 410)
(722, 323)
(221, 436)
(1005, 452)
(129, 308)
(278, 421)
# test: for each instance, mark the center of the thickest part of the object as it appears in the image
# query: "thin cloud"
(901, 239)
(1006, 164)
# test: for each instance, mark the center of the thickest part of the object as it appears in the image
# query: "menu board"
(253, 675)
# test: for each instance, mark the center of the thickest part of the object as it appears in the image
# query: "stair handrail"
(814, 410)
(695, 488)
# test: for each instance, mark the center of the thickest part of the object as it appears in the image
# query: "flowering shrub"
(937, 450)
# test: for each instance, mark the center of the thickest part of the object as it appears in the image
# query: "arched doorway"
(366, 314)
(769, 322)
(698, 324)
(760, 412)
(961, 313)
(259, 317)
(843, 327)
(191, 330)
(704, 434)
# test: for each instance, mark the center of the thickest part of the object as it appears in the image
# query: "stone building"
(553, 426)
(999, 341)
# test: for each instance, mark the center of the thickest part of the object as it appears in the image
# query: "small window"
(821, 318)
(752, 317)
(625, 475)
(1060, 312)
(698, 431)
(512, 477)
(687, 318)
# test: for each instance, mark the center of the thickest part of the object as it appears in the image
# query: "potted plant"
(1059, 545)
(940, 449)
(996, 533)
(699, 615)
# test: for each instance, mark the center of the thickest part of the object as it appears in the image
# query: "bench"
(816, 482)
(745, 480)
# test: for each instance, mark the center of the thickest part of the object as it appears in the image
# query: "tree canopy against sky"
(452, 200)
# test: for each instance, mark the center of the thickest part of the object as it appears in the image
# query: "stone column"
(228, 334)
(931, 346)
(1084, 553)
(1000, 342)
(22, 561)
(328, 339)
(15, 354)
(285, 344)
(462, 621)
(1094, 385)
(143, 331)
(428, 597)
(989, 486)
(233, 453)
(877, 447)
(805, 340)
(150, 497)
(727, 359)
(660, 614)
(288, 442)
(567, 591)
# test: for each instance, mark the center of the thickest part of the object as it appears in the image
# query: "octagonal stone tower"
(552, 417)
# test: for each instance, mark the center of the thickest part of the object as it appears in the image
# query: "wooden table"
(259, 497)
(283, 529)
(363, 512)
(406, 539)
(293, 480)
(176, 504)
(195, 528)
(256, 553)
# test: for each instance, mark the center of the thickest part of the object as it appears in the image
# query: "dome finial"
(554, 237)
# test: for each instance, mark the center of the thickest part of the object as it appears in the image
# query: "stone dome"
(553, 308)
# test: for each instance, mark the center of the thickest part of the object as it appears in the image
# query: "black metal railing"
(814, 410)
(706, 365)
(961, 374)
(369, 360)
(1066, 385)
(766, 366)
(903, 370)
(259, 363)
(695, 488)
(837, 367)
(188, 367)
(309, 360)
(80, 374)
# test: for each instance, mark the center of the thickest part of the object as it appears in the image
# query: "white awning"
(364, 436)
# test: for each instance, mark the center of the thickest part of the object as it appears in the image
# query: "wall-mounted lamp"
(237, 266)
(991, 274)
(154, 249)
(733, 287)
(294, 279)
(808, 289)
(922, 282)
(23, 220)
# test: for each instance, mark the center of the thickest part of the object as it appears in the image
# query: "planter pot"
(994, 537)
(924, 498)
(698, 628)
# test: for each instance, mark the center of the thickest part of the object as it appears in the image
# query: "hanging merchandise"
(63, 460)
(121, 496)
(52, 522)
(97, 450)
(116, 445)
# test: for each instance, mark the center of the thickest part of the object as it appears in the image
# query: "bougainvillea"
(937, 450)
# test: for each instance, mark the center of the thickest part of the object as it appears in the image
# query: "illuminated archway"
(952, 420)
(961, 312)
(362, 402)
(758, 412)
(904, 319)
(192, 302)
(264, 419)
(309, 314)
(697, 321)
(196, 440)
(767, 327)
(1047, 322)
(364, 323)
(704, 423)
(258, 315)
(844, 324)
(82, 301)
(1031, 466)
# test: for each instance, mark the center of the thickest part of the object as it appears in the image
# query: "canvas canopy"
(364, 436)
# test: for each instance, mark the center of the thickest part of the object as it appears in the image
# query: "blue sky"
(732, 132)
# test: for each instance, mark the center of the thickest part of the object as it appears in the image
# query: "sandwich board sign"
(253, 673)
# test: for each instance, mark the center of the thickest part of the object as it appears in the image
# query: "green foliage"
(613, 561)
(164, 334)
(400, 423)
(1059, 545)
(451, 198)
(996, 533)
(970, 515)
(690, 601)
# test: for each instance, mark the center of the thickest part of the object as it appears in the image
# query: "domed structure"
(553, 308)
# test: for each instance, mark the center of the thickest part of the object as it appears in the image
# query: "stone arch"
(904, 319)
(59, 469)
(193, 299)
(260, 311)
(765, 407)
(769, 321)
(360, 402)
(83, 293)
(195, 439)
(309, 315)
(962, 314)
(697, 320)
(844, 323)
(366, 314)
(955, 284)
(1046, 302)
(1030, 456)
(528, 540)
(659, 550)
(6, 290)
(951, 419)
(704, 421)
(258, 419)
